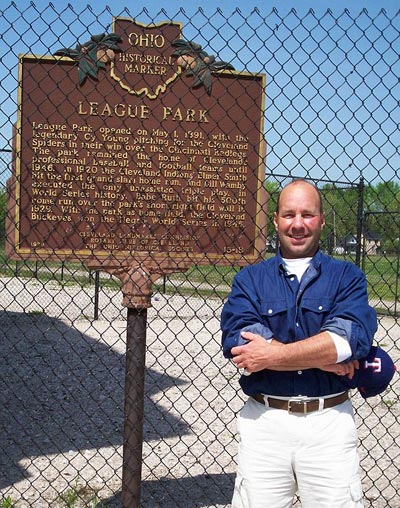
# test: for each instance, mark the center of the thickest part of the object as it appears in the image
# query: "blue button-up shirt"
(265, 299)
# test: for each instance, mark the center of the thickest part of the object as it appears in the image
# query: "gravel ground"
(62, 396)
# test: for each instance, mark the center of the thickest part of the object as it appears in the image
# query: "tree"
(273, 189)
(383, 214)
(340, 205)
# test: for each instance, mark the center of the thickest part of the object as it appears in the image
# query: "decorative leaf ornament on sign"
(101, 49)
(93, 55)
(198, 63)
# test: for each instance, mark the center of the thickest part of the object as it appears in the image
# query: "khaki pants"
(281, 454)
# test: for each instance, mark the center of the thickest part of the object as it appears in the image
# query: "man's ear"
(276, 221)
(323, 222)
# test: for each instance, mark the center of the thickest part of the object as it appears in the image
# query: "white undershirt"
(298, 267)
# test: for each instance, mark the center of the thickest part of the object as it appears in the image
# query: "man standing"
(297, 324)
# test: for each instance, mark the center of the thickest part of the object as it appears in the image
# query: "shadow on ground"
(197, 492)
(61, 391)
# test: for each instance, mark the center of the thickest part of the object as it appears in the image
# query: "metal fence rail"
(331, 115)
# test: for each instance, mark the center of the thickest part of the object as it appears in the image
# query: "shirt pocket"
(274, 314)
(315, 311)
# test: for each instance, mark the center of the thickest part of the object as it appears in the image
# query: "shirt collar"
(315, 262)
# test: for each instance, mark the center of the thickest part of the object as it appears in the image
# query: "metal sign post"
(134, 406)
(137, 279)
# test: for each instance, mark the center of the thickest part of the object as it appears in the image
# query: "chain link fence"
(331, 115)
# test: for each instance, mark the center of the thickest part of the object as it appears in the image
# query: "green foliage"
(380, 207)
(385, 197)
(273, 189)
(79, 496)
(70, 497)
(7, 502)
(383, 214)
(340, 205)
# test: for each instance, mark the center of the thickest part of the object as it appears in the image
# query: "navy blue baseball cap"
(374, 374)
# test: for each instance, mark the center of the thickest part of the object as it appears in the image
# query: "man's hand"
(258, 354)
(342, 369)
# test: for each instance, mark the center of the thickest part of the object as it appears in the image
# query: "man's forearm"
(314, 352)
(258, 354)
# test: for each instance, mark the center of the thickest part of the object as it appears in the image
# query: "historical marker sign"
(131, 159)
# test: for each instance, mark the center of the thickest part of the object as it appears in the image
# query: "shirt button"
(297, 324)
(299, 372)
(320, 307)
(269, 311)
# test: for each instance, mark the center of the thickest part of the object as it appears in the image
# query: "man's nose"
(298, 221)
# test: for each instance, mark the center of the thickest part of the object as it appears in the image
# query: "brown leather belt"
(298, 405)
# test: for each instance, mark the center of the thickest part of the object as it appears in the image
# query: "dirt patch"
(62, 398)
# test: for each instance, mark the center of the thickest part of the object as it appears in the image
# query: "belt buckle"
(298, 401)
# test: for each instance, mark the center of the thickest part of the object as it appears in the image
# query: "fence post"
(366, 221)
(96, 294)
(360, 212)
(397, 276)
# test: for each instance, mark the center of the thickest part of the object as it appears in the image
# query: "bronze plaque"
(138, 159)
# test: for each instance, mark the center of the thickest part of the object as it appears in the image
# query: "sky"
(332, 69)
(172, 6)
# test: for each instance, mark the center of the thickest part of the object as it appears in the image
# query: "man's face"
(299, 221)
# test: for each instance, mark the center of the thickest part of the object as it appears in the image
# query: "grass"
(76, 496)
(70, 497)
(79, 496)
(211, 281)
(7, 502)
(389, 402)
